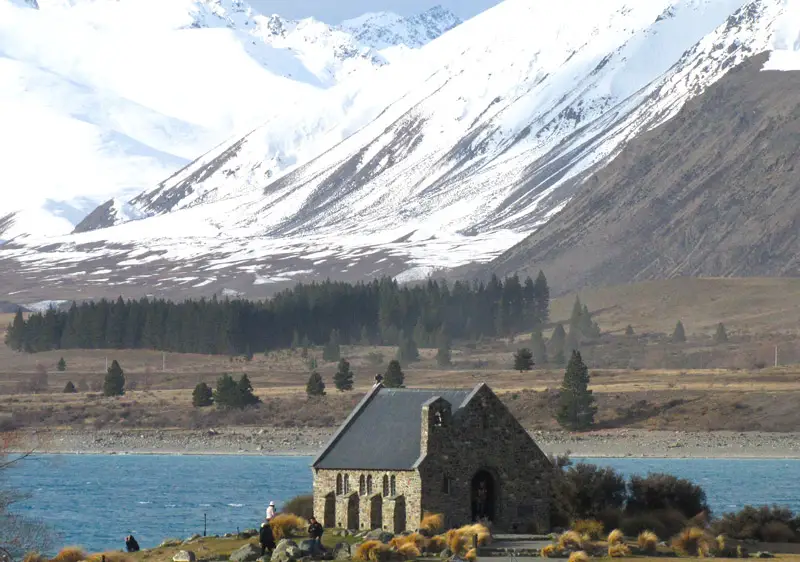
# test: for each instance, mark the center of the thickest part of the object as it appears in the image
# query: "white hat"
(264, 524)
(272, 503)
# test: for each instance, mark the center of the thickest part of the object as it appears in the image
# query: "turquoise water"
(95, 501)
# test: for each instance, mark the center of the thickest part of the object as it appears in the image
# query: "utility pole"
(106, 364)
(776, 355)
(163, 361)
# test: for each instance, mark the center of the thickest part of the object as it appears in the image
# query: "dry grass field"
(639, 381)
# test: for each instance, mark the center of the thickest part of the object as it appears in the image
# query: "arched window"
(369, 484)
(339, 489)
(362, 485)
(385, 485)
(346, 483)
(393, 486)
(447, 484)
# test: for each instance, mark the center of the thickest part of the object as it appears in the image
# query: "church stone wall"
(407, 485)
(484, 436)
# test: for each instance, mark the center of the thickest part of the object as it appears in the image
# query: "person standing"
(315, 531)
(130, 544)
(270, 511)
(266, 538)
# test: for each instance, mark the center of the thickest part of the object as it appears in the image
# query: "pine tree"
(407, 351)
(114, 384)
(629, 330)
(343, 379)
(227, 395)
(575, 317)
(679, 335)
(202, 396)
(70, 388)
(443, 355)
(576, 402)
(61, 365)
(332, 352)
(573, 341)
(541, 293)
(538, 348)
(721, 336)
(246, 396)
(315, 385)
(523, 360)
(394, 377)
(557, 343)
(15, 335)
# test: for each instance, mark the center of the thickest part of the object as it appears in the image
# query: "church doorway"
(483, 496)
(329, 514)
(376, 512)
(352, 513)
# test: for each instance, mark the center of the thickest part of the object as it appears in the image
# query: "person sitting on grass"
(130, 544)
(315, 531)
(266, 538)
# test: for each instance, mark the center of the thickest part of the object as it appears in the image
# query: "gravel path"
(273, 441)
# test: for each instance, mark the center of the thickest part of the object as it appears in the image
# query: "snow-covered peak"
(383, 30)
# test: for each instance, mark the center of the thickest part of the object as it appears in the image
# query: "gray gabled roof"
(384, 431)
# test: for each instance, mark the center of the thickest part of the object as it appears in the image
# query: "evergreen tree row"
(379, 312)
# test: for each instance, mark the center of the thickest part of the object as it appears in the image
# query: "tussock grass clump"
(579, 556)
(69, 554)
(409, 551)
(371, 551)
(460, 540)
(286, 525)
(693, 541)
(648, 542)
(591, 528)
(618, 550)
(34, 557)
(548, 551)
(436, 544)
(432, 522)
(471, 555)
(415, 539)
(616, 537)
(570, 540)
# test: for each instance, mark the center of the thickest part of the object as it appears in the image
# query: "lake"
(96, 500)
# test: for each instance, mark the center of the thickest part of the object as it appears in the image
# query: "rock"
(379, 535)
(167, 543)
(247, 553)
(249, 533)
(192, 539)
(285, 551)
(342, 551)
(764, 555)
(309, 548)
(184, 556)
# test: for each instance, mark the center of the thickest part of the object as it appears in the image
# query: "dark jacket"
(315, 530)
(265, 537)
(131, 545)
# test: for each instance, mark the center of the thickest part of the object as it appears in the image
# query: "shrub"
(69, 388)
(665, 491)
(648, 542)
(436, 544)
(693, 541)
(460, 540)
(570, 540)
(549, 551)
(302, 506)
(202, 396)
(589, 527)
(616, 537)
(286, 525)
(69, 554)
(371, 551)
(596, 489)
(618, 550)
(579, 556)
(757, 523)
(432, 522)
(111, 556)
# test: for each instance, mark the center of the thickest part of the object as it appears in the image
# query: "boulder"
(247, 553)
(285, 551)
(250, 533)
(379, 535)
(167, 543)
(342, 551)
(308, 548)
(184, 556)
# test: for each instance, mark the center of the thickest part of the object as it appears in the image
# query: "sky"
(334, 11)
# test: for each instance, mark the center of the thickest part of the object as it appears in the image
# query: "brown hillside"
(712, 192)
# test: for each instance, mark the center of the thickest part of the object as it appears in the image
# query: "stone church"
(405, 452)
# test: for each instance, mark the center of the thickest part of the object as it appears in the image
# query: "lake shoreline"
(294, 442)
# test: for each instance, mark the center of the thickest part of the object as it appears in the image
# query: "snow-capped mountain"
(450, 155)
(115, 95)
